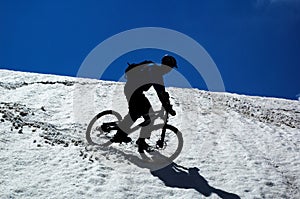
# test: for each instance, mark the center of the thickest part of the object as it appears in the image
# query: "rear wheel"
(102, 127)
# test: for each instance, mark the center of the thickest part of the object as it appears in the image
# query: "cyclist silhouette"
(141, 77)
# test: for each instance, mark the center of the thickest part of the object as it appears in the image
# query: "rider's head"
(169, 62)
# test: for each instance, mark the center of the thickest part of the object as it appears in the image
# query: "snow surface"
(234, 146)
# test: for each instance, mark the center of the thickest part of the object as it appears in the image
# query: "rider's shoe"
(120, 137)
(143, 146)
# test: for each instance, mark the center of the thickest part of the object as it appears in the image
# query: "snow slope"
(234, 146)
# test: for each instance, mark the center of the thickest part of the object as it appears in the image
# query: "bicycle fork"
(161, 141)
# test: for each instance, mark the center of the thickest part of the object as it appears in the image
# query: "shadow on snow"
(174, 175)
(178, 176)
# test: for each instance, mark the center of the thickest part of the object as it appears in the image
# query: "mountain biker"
(139, 79)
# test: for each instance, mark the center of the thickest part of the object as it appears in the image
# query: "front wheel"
(172, 145)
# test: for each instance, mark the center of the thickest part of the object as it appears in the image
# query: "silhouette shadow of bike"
(165, 138)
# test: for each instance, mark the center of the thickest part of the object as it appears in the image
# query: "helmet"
(169, 61)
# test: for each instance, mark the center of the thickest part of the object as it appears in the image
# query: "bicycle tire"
(179, 144)
(93, 121)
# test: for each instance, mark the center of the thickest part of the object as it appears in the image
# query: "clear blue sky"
(254, 43)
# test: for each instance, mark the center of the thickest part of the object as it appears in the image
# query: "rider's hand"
(172, 112)
(169, 109)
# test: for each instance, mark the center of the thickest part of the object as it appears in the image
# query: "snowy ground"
(234, 146)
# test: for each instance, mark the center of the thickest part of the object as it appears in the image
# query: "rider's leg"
(145, 133)
(146, 129)
(125, 124)
(123, 129)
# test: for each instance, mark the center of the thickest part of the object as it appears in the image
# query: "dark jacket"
(140, 79)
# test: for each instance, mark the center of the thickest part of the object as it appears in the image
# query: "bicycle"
(164, 138)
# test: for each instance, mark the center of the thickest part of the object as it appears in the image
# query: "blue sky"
(254, 43)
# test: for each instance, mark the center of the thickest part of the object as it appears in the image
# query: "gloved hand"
(170, 110)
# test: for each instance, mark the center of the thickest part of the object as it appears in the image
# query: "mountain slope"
(234, 146)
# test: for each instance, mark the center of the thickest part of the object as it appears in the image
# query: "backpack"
(133, 65)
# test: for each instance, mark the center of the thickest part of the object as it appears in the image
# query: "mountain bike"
(165, 138)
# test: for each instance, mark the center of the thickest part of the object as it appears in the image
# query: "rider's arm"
(164, 97)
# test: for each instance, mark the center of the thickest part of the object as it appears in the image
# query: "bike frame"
(154, 115)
